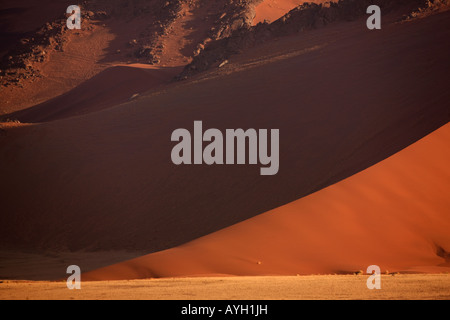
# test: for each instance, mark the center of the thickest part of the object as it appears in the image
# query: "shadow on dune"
(112, 86)
(106, 180)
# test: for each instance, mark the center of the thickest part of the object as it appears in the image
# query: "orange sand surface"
(272, 10)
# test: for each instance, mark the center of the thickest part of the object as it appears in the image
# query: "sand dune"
(105, 180)
(394, 214)
(110, 87)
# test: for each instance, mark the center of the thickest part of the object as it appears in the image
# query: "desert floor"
(402, 286)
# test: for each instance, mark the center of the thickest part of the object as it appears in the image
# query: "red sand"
(393, 214)
(272, 10)
(104, 180)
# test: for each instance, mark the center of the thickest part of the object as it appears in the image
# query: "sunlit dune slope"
(272, 10)
(342, 97)
(395, 214)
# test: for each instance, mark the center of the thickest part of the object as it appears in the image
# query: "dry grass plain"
(340, 287)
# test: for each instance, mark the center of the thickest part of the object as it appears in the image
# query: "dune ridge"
(306, 16)
(115, 85)
(41, 59)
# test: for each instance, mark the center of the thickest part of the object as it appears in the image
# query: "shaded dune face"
(105, 180)
(394, 214)
(111, 87)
